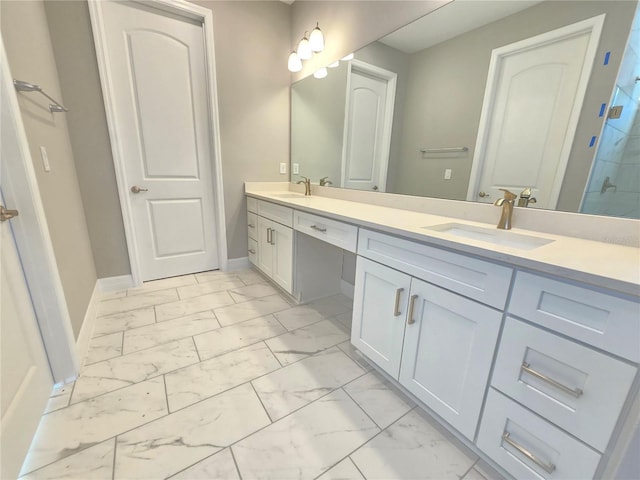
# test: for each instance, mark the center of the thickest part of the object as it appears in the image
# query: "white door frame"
(33, 241)
(193, 12)
(391, 79)
(594, 27)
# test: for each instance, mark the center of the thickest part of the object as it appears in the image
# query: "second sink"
(489, 235)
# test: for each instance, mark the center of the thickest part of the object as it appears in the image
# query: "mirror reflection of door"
(533, 99)
(368, 119)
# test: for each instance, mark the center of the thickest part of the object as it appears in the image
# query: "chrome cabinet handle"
(575, 392)
(482, 195)
(137, 189)
(269, 236)
(412, 305)
(252, 252)
(273, 241)
(547, 467)
(396, 308)
(319, 229)
(251, 225)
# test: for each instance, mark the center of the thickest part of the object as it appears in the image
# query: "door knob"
(482, 195)
(137, 189)
(6, 214)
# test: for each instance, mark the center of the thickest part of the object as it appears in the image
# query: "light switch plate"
(283, 168)
(447, 174)
(45, 159)
(296, 168)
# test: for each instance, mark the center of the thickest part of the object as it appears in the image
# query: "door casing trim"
(192, 12)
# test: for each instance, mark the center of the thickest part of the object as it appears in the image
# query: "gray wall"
(28, 45)
(446, 87)
(75, 57)
(317, 125)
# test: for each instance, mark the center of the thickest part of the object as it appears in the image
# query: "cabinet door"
(282, 245)
(448, 349)
(379, 312)
(265, 249)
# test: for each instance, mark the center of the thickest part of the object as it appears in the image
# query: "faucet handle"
(508, 195)
(526, 193)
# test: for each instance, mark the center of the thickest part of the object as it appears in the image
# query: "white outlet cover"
(296, 168)
(283, 168)
(447, 174)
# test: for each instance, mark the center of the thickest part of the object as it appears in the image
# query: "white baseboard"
(112, 284)
(82, 343)
(238, 264)
(347, 289)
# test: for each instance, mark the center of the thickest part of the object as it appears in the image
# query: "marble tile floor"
(218, 376)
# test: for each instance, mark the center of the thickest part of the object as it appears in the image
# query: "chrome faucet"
(507, 209)
(307, 185)
(526, 198)
(324, 181)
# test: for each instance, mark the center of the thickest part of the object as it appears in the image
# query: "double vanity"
(524, 345)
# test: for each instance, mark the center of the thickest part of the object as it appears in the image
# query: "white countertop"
(610, 266)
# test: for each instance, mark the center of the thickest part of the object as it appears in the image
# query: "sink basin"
(287, 195)
(491, 235)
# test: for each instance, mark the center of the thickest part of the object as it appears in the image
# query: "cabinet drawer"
(336, 233)
(252, 225)
(277, 213)
(601, 320)
(253, 251)
(582, 390)
(252, 205)
(556, 455)
(473, 278)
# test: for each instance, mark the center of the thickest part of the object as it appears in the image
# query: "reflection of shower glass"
(618, 155)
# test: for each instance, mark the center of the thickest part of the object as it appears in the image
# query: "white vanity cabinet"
(562, 376)
(271, 240)
(437, 344)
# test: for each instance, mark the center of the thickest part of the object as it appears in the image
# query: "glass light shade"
(334, 64)
(304, 49)
(346, 58)
(316, 40)
(320, 73)
(295, 64)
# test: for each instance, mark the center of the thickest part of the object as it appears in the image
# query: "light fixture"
(316, 40)
(334, 64)
(346, 58)
(294, 64)
(304, 48)
(320, 73)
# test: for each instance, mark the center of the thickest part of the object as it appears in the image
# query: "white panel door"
(448, 351)
(25, 377)
(158, 77)
(365, 123)
(530, 114)
(379, 312)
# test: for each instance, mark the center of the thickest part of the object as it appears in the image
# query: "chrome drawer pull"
(576, 392)
(252, 252)
(320, 229)
(547, 467)
(396, 309)
(273, 241)
(412, 304)
(251, 225)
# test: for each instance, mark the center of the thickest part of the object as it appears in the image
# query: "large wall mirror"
(480, 95)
